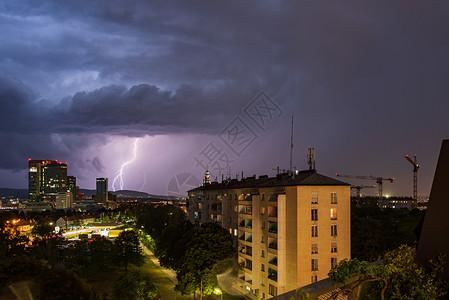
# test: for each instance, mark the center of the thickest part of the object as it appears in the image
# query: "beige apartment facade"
(289, 230)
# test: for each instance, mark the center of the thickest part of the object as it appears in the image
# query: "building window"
(235, 197)
(333, 262)
(262, 253)
(314, 198)
(272, 290)
(315, 248)
(263, 224)
(333, 214)
(262, 281)
(235, 232)
(333, 230)
(248, 264)
(208, 197)
(236, 208)
(230, 207)
(230, 231)
(333, 198)
(262, 239)
(315, 214)
(262, 210)
(314, 264)
(314, 278)
(262, 267)
(314, 230)
(334, 247)
(263, 196)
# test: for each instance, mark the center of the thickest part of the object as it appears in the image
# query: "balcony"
(247, 223)
(273, 261)
(246, 236)
(246, 250)
(245, 209)
(273, 245)
(273, 198)
(272, 227)
(272, 274)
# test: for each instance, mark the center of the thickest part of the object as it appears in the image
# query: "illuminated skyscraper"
(35, 177)
(46, 178)
(71, 186)
(102, 190)
(54, 179)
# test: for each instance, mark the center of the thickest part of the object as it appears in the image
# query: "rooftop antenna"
(291, 147)
(311, 158)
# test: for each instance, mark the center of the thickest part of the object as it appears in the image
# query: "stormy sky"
(190, 85)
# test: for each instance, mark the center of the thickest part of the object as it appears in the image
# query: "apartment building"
(289, 230)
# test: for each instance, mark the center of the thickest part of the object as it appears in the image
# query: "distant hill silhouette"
(23, 194)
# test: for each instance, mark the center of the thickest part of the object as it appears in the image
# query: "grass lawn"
(103, 282)
(166, 286)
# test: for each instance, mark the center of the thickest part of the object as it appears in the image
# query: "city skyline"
(158, 87)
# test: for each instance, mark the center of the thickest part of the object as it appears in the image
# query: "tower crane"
(415, 179)
(359, 187)
(379, 180)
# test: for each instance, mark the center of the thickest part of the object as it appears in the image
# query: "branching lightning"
(119, 176)
(144, 181)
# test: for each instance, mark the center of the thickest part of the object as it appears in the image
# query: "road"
(170, 273)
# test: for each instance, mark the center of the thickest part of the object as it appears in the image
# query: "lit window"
(235, 232)
(333, 214)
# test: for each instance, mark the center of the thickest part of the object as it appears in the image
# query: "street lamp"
(219, 293)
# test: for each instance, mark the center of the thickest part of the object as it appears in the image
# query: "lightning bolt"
(144, 181)
(119, 176)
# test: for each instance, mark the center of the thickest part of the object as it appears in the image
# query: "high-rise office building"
(71, 186)
(54, 179)
(289, 230)
(102, 190)
(46, 178)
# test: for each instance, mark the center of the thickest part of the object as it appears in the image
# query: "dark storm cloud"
(364, 79)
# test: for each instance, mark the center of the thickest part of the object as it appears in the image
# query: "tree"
(101, 253)
(173, 245)
(134, 286)
(209, 248)
(398, 277)
(43, 229)
(37, 280)
(47, 243)
(11, 242)
(127, 248)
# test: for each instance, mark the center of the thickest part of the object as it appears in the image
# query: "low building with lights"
(289, 230)
(396, 203)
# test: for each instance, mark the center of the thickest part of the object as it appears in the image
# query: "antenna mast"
(291, 147)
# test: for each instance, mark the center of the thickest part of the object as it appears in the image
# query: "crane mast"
(416, 167)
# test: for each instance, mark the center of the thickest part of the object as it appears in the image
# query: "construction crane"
(379, 180)
(359, 187)
(415, 179)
